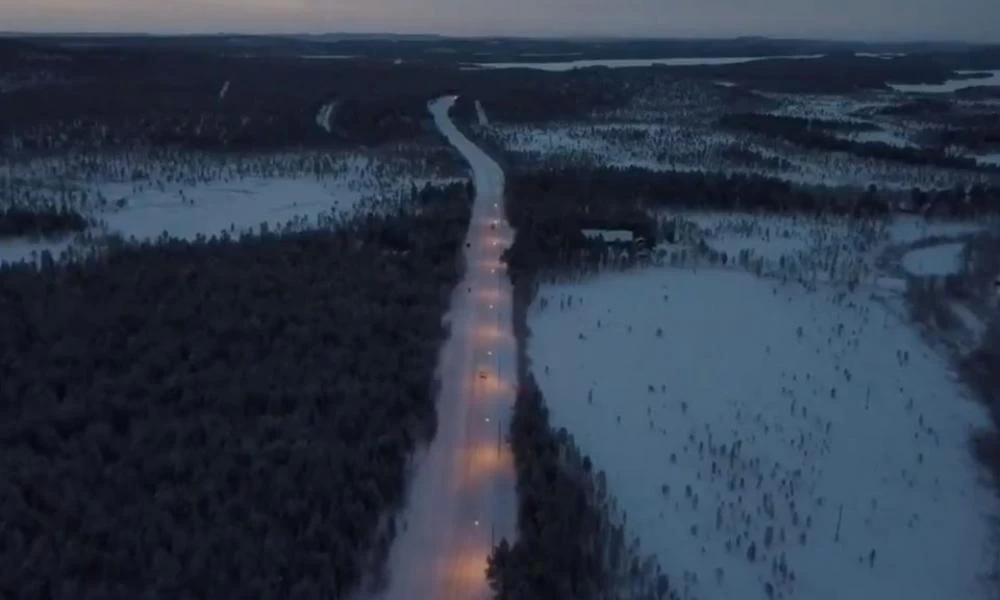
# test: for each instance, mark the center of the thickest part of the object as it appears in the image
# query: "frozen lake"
(636, 62)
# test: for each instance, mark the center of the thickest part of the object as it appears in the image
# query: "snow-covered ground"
(939, 260)
(893, 138)
(731, 411)
(674, 125)
(187, 212)
(211, 209)
(191, 199)
(224, 90)
(671, 145)
(824, 106)
(20, 250)
(883, 55)
(326, 115)
(810, 249)
(760, 436)
(950, 85)
(641, 62)
(989, 159)
(481, 114)
(330, 56)
(906, 229)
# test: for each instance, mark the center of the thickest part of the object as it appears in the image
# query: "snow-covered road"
(463, 498)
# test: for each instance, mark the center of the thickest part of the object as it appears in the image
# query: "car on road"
(483, 374)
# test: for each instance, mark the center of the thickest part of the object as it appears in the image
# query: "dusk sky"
(972, 20)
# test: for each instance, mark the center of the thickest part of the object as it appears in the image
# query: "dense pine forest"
(219, 418)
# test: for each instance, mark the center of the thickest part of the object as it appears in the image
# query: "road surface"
(462, 499)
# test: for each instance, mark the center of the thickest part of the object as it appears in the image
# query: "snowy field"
(206, 210)
(910, 228)
(202, 200)
(990, 159)
(942, 259)
(766, 441)
(670, 147)
(674, 125)
(838, 248)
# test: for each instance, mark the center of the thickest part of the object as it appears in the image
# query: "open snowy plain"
(206, 196)
(675, 125)
(773, 436)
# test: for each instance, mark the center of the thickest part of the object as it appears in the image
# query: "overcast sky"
(972, 20)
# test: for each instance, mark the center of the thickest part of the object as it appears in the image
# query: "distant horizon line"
(472, 36)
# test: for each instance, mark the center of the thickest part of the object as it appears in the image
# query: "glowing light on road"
(489, 353)
(485, 464)
(493, 270)
(488, 334)
(477, 523)
(489, 294)
(487, 419)
(465, 573)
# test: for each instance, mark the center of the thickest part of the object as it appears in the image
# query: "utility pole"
(840, 517)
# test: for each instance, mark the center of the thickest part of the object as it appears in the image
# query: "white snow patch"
(549, 54)
(763, 407)
(942, 259)
(803, 248)
(224, 91)
(906, 229)
(609, 235)
(884, 55)
(17, 250)
(481, 114)
(770, 237)
(989, 159)
(685, 145)
(970, 320)
(898, 139)
(189, 211)
(325, 116)
(329, 56)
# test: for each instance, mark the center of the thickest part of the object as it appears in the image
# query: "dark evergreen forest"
(221, 419)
